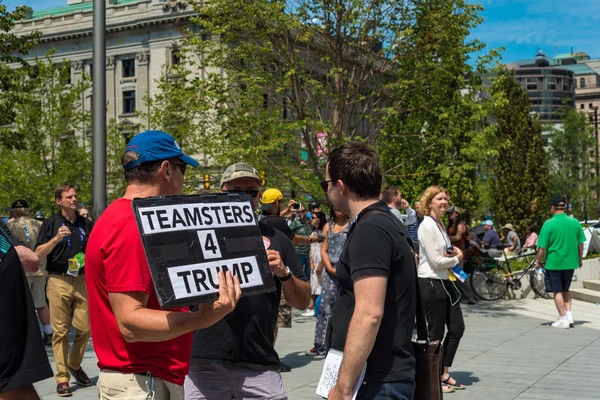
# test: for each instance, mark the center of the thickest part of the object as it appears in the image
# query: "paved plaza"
(509, 351)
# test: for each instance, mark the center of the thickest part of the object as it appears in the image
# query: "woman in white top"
(440, 294)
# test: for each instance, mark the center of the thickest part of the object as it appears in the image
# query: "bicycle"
(491, 279)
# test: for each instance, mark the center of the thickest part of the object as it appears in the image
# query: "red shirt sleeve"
(125, 263)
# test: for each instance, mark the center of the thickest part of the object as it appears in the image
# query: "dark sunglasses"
(181, 166)
(325, 184)
(249, 192)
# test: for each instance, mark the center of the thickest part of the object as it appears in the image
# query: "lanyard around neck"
(80, 237)
(440, 229)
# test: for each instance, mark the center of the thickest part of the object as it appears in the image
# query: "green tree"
(180, 110)
(569, 153)
(12, 66)
(438, 138)
(518, 172)
(278, 84)
(49, 137)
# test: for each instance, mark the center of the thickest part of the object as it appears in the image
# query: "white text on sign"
(199, 279)
(179, 217)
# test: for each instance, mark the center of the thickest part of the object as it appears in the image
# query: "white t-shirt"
(433, 242)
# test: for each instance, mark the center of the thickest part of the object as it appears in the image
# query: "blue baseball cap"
(156, 146)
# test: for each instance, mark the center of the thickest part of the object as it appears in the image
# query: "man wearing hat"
(490, 239)
(27, 230)
(271, 206)
(512, 241)
(143, 351)
(560, 244)
(236, 358)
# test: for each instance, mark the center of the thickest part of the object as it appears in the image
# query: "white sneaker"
(308, 313)
(571, 320)
(562, 324)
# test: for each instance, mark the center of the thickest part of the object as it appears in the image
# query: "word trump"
(178, 217)
(200, 279)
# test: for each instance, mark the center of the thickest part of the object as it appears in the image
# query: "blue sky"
(524, 26)
(520, 26)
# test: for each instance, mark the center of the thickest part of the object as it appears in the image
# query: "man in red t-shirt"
(142, 349)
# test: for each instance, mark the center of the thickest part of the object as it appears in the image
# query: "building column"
(142, 73)
(112, 95)
(76, 78)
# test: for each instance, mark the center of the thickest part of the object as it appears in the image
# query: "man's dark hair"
(64, 187)
(143, 173)
(389, 193)
(357, 165)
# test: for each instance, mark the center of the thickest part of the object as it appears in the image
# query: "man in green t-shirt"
(561, 241)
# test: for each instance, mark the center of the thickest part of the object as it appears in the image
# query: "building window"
(532, 84)
(590, 105)
(128, 67)
(582, 106)
(551, 83)
(582, 83)
(175, 59)
(128, 101)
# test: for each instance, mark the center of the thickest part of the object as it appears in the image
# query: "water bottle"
(539, 273)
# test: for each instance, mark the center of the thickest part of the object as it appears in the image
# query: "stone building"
(141, 37)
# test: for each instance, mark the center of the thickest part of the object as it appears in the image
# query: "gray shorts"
(220, 382)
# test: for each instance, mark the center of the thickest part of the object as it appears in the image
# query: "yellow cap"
(270, 196)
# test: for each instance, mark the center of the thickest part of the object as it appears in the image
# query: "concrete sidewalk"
(509, 351)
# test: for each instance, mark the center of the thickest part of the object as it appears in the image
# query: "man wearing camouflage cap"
(27, 229)
(236, 358)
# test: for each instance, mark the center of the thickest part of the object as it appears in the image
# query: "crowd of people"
(357, 271)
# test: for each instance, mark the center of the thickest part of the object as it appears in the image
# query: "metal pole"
(99, 109)
(597, 164)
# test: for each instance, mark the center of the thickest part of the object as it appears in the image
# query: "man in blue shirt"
(490, 240)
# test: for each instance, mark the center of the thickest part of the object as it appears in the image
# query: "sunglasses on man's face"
(249, 192)
(181, 166)
(325, 184)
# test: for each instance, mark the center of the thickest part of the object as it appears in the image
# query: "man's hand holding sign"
(140, 324)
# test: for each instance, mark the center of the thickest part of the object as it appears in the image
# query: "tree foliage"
(518, 172)
(438, 138)
(569, 154)
(278, 84)
(12, 47)
(41, 149)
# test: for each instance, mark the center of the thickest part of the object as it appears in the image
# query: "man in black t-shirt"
(271, 204)
(23, 359)
(235, 357)
(62, 240)
(374, 313)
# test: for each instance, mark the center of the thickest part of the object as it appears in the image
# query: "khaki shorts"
(114, 385)
(284, 318)
(37, 285)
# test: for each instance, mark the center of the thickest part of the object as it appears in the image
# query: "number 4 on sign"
(209, 244)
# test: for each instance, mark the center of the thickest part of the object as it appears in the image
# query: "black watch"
(288, 276)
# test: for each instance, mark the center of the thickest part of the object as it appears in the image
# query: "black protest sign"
(189, 239)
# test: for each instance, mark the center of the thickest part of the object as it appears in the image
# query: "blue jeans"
(305, 264)
(400, 390)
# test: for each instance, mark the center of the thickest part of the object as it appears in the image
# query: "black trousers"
(438, 296)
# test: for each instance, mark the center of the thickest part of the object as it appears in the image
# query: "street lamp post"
(99, 109)
(597, 162)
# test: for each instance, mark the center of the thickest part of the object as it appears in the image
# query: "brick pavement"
(508, 352)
